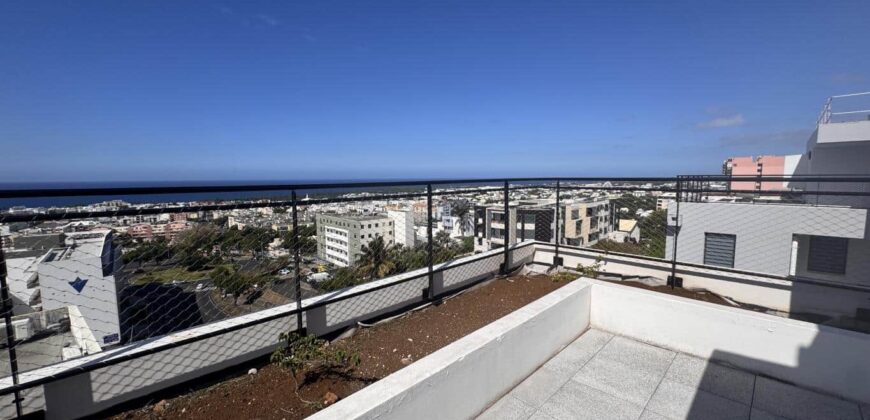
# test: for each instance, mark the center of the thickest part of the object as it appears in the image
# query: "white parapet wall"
(818, 357)
(756, 289)
(461, 379)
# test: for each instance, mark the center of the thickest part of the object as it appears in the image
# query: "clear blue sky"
(187, 90)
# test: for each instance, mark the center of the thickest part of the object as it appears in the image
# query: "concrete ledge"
(818, 357)
(460, 380)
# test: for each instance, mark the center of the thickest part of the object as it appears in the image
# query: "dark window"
(828, 254)
(719, 249)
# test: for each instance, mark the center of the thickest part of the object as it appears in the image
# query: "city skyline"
(203, 91)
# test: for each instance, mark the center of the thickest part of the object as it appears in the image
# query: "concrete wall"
(460, 380)
(82, 333)
(817, 357)
(777, 294)
(764, 232)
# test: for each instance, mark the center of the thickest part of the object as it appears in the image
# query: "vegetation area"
(379, 260)
(652, 228)
(633, 204)
(212, 251)
(171, 274)
(303, 354)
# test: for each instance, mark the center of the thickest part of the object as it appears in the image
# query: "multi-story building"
(340, 238)
(582, 222)
(587, 222)
(768, 165)
(84, 274)
(663, 200)
(821, 237)
(403, 223)
(147, 231)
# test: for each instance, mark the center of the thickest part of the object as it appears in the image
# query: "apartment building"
(148, 231)
(664, 199)
(582, 222)
(340, 238)
(403, 222)
(819, 237)
(587, 222)
(767, 165)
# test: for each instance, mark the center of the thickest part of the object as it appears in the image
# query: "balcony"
(214, 298)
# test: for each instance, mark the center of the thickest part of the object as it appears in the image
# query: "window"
(575, 214)
(719, 249)
(827, 254)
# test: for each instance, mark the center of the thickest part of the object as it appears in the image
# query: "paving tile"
(507, 408)
(575, 401)
(711, 377)
(677, 401)
(786, 400)
(637, 355)
(540, 415)
(757, 414)
(619, 379)
(576, 354)
(649, 415)
(542, 384)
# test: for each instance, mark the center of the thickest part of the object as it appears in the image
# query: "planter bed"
(383, 349)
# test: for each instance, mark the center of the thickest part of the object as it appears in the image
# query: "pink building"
(748, 166)
(142, 231)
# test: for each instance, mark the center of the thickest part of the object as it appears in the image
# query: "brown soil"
(677, 291)
(269, 394)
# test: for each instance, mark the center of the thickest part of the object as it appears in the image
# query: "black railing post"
(556, 260)
(297, 282)
(7, 318)
(673, 280)
(507, 230)
(430, 291)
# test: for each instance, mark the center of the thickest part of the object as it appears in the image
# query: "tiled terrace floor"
(602, 376)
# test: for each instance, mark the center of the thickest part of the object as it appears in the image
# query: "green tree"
(229, 279)
(464, 211)
(442, 239)
(376, 260)
(653, 231)
(307, 239)
(341, 278)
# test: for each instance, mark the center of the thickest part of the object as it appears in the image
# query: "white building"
(403, 222)
(821, 237)
(83, 274)
(340, 238)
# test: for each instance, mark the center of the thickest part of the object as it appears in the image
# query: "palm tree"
(442, 239)
(463, 211)
(375, 260)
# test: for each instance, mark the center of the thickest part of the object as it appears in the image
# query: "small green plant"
(305, 353)
(591, 270)
(563, 276)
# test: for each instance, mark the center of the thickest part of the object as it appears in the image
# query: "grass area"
(169, 275)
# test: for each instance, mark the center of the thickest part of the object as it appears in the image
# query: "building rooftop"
(356, 217)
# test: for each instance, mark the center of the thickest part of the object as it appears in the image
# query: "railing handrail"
(16, 193)
(192, 189)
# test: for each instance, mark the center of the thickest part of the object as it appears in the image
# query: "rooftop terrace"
(604, 376)
(794, 303)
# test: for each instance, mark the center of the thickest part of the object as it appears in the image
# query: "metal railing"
(632, 198)
(827, 114)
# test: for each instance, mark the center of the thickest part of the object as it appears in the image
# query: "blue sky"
(169, 90)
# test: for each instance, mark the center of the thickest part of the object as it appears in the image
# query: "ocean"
(6, 203)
